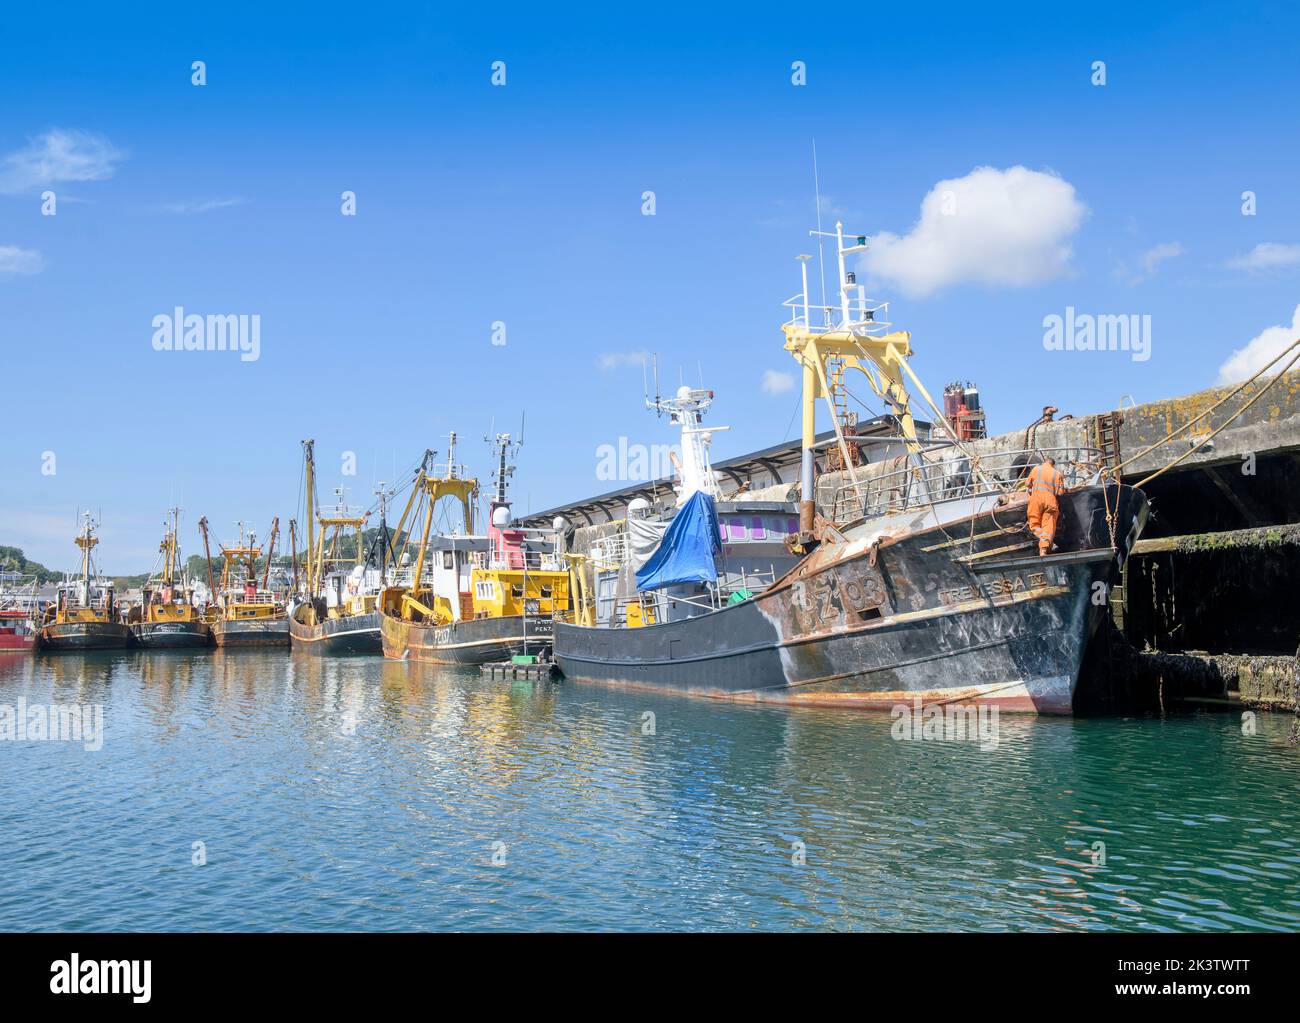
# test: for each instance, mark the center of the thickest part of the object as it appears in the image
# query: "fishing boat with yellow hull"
(246, 613)
(85, 614)
(474, 599)
(166, 617)
(338, 613)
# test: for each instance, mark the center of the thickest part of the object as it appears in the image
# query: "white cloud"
(1149, 262)
(61, 154)
(14, 260)
(776, 382)
(1267, 256)
(621, 360)
(997, 227)
(1259, 351)
(200, 205)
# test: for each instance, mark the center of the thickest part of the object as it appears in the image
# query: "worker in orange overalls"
(1045, 484)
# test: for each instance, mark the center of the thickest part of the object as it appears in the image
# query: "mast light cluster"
(857, 314)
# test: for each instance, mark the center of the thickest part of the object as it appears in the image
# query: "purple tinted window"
(736, 530)
(759, 533)
(792, 525)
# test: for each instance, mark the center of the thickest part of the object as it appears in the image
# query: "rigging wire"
(821, 251)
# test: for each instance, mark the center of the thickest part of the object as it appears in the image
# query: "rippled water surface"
(359, 794)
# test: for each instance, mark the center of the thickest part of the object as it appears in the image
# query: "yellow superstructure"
(93, 604)
(500, 583)
(160, 602)
(498, 592)
(238, 596)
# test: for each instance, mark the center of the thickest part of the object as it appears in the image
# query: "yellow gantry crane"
(856, 340)
(332, 529)
(85, 610)
(169, 608)
(240, 561)
(460, 488)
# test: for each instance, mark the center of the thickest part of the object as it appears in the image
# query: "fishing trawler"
(18, 612)
(752, 527)
(84, 614)
(166, 617)
(246, 613)
(471, 598)
(921, 584)
(338, 614)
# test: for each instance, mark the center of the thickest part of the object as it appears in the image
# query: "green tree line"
(12, 559)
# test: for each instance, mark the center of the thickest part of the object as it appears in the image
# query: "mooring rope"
(1241, 411)
(1196, 419)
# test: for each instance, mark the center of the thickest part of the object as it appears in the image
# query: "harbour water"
(363, 794)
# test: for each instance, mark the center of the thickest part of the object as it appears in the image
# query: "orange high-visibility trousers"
(1043, 513)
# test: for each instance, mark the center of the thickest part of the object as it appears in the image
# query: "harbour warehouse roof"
(767, 467)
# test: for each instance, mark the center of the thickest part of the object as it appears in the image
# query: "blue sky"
(522, 204)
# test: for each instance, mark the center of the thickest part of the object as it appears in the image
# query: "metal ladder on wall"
(839, 398)
(1105, 438)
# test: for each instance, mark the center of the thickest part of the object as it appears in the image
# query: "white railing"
(242, 597)
(947, 473)
(518, 561)
(866, 317)
(611, 551)
(75, 603)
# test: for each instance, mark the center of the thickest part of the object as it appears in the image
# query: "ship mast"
(309, 462)
(171, 549)
(207, 554)
(504, 446)
(250, 553)
(499, 549)
(86, 541)
(383, 494)
(293, 544)
(270, 553)
(686, 408)
(417, 490)
(858, 339)
(462, 488)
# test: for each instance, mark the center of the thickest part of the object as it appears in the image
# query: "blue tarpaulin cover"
(685, 554)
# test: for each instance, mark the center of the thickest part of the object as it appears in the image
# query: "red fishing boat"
(17, 611)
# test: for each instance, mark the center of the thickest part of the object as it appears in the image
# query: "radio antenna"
(821, 249)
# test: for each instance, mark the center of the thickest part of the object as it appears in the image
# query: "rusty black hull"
(354, 634)
(172, 635)
(477, 641)
(85, 636)
(931, 615)
(254, 632)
